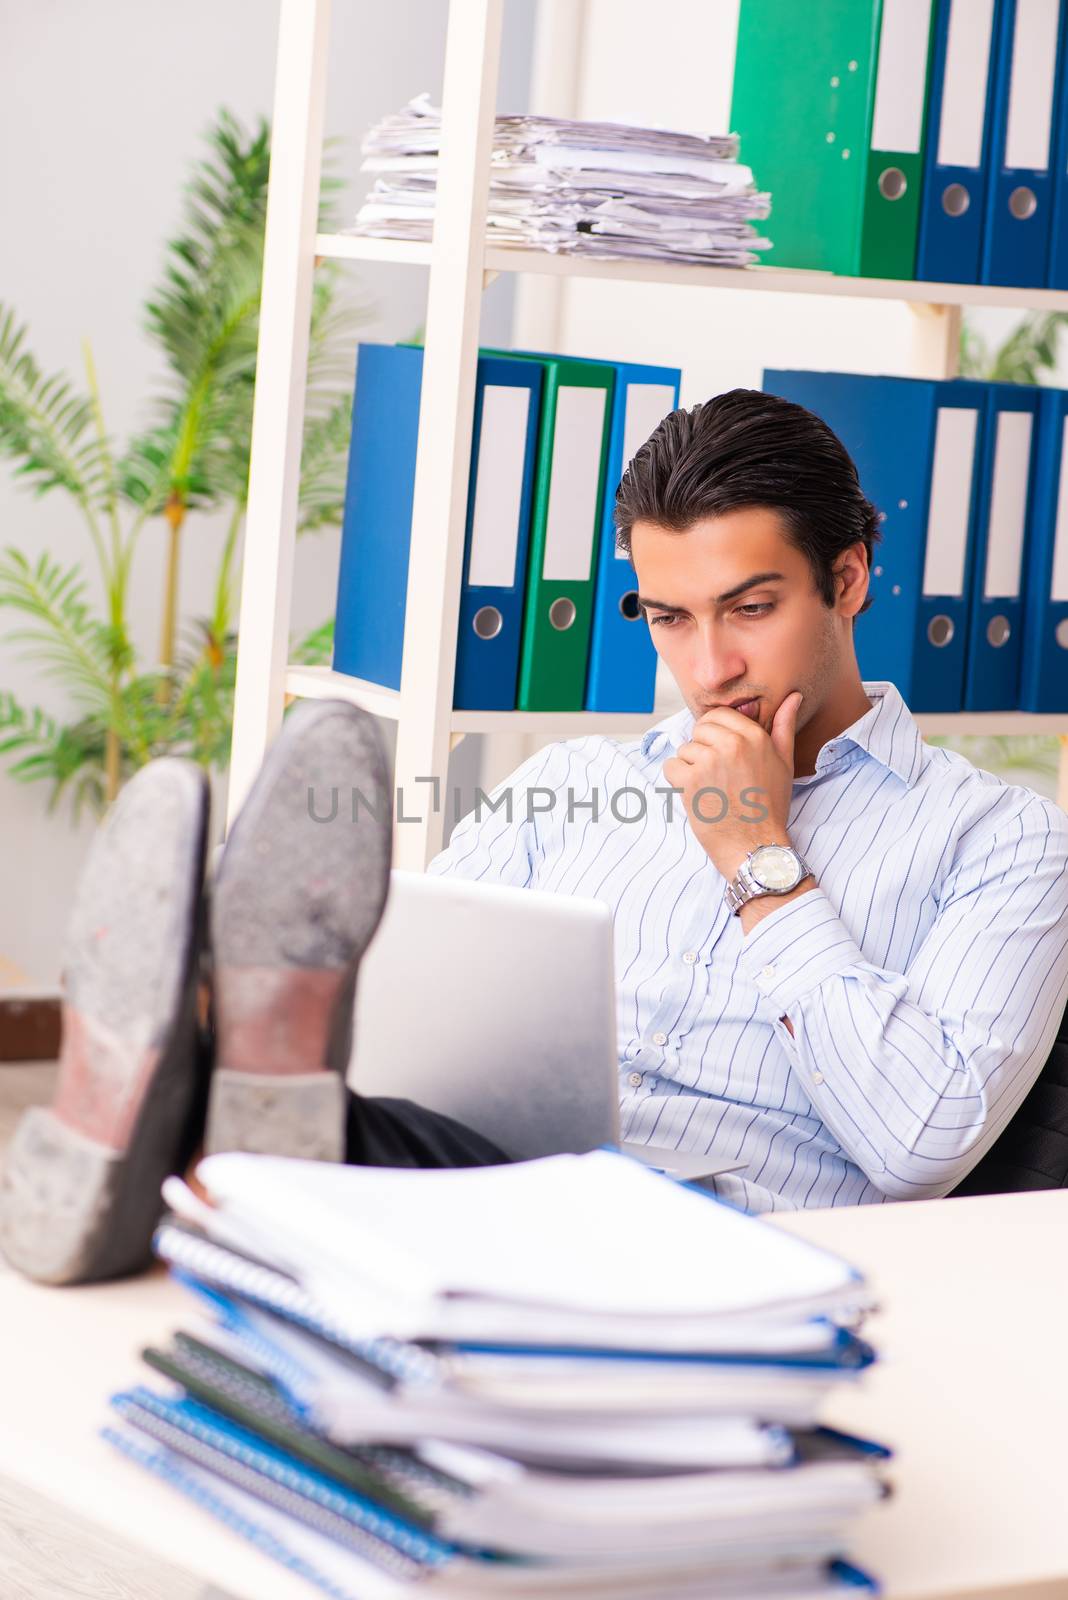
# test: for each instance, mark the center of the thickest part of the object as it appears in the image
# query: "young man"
(841, 956)
(867, 1033)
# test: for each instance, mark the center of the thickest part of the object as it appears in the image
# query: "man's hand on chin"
(731, 756)
(736, 780)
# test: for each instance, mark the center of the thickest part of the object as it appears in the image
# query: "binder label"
(960, 135)
(901, 79)
(647, 405)
(1059, 582)
(1008, 505)
(576, 471)
(951, 500)
(1034, 57)
(502, 449)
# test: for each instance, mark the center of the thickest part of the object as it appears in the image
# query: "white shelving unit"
(460, 267)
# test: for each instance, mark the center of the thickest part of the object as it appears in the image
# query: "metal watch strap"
(744, 886)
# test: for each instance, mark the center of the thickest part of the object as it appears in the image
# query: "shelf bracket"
(935, 340)
(489, 276)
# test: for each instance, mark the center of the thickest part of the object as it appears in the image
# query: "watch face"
(774, 866)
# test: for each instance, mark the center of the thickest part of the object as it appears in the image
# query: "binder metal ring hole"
(956, 200)
(892, 183)
(629, 605)
(1060, 633)
(1023, 203)
(997, 631)
(487, 622)
(940, 631)
(562, 614)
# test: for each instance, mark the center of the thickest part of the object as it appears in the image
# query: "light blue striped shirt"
(925, 976)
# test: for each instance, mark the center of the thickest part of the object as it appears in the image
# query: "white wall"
(102, 108)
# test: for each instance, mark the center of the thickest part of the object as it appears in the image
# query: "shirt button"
(767, 972)
(660, 1038)
(817, 1077)
(635, 1080)
(690, 957)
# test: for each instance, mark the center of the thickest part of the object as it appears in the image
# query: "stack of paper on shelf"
(584, 188)
(570, 1375)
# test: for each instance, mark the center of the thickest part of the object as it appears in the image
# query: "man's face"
(775, 636)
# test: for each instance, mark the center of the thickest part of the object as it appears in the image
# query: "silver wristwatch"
(769, 869)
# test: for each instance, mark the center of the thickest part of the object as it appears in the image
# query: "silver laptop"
(497, 1006)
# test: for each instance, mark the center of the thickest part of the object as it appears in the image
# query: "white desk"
(972, 1391)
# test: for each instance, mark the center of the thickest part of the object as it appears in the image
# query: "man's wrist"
(762, 905)
(730, 862)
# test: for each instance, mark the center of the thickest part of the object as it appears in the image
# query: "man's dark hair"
(747, 448)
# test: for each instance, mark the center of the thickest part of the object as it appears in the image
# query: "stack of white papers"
(570, 1374)
(584, 188)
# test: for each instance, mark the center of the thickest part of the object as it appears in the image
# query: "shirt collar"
(887, 732)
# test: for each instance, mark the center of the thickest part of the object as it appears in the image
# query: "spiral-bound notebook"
(396, 1251)
(308, 1545)
(824, 1346)
(393, 1478)
(308, 1554)
(503, 1504)
(269, 1473)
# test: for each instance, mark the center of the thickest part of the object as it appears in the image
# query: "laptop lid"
(496, 1006)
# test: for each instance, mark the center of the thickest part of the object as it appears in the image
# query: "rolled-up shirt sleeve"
(917, 1073)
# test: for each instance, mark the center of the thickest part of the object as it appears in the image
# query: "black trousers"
(384, 1132)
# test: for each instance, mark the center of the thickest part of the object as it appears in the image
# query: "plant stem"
(175, 514)
(223, 592)
(114, 576)
(113, 765)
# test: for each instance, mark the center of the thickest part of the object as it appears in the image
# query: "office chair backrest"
(1032, 1152)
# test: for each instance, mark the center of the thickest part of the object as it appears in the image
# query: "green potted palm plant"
(188, 460)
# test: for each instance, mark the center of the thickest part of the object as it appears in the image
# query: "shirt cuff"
(795, 948)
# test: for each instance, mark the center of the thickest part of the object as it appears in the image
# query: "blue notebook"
(250, 1463)
(305, 1550)
(300, 1548)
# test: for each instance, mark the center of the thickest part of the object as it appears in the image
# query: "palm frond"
(187, 453)
(69, 758)
(975, 355)
(1029, 351)
(62, 634)
(45, 426)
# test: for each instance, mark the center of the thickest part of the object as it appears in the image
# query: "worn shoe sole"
(300, 889)
(81, 1188)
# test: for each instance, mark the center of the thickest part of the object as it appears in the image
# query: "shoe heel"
(59, 1193)
(301, 1115)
